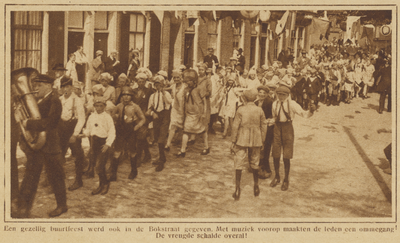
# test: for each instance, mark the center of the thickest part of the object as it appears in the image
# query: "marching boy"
(101, 131)
(248, 134)
(283, 111)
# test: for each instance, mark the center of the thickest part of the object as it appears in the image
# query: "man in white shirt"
(159, 109)
(69, 127)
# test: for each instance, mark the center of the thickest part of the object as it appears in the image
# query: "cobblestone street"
(336, 172)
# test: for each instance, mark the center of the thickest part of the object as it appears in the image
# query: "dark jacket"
(50, 110)
(267, 107)
(385, 84)
(143, 101)
(314, 87)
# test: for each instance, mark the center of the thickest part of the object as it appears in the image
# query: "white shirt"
(291, 107)
(72, 107)
(101, 125)
(158, 101)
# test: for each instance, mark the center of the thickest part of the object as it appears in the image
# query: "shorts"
(241, 157)
(283, 140)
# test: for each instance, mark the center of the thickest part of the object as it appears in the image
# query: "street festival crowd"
(123, 113)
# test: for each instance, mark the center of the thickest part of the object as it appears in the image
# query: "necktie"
(123, 114)
(158, 101)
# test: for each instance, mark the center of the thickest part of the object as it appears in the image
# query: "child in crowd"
(283, 111)
(248, 135)
(101, 131)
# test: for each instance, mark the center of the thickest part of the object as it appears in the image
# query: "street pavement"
(336, 172)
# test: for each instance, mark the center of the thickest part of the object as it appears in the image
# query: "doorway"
(189, 50)
(100, 43)
(75, 39)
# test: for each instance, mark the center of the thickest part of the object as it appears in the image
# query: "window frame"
(27, 28)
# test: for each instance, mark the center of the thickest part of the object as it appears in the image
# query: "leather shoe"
(104, 191)
(160, 167)
(58, 211)
(167, 149)
(256, 191)
(191, 142)
(98, 190)
(262, 174)
(76, 185)
(275, 182)
(180, 154)
(89, 174)
(285, 186)
(132, 175)
(236, 194)
(205, 151)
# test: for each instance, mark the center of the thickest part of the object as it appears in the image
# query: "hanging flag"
(160, 15)
(355, 28)
(368, 31)
(214, 15)
(349, 24)
(265, 15)
(280, 26)
(319, 27)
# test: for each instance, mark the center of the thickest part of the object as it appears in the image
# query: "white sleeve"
(111, 131)
(80, 113)
(89, 124)
(296, 108)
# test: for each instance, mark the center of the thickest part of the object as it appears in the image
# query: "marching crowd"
(124, 112)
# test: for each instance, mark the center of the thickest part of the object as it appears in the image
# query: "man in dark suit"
(141, 98)
(210, 58)
(111, 66)
(50, 108)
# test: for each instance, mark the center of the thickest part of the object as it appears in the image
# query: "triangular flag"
(214, 15)
(160, 15)
(143, 12)
(281, 23)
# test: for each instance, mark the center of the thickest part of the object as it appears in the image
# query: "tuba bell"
(25, 105)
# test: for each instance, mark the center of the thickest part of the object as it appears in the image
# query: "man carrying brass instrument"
(50, 109)
(69, 127)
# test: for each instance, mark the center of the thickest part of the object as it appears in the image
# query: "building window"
(212, 27)
(264, 28)
(293, 39)
(75, 19)
(301, 37)
(236, 37)
(137, 29)
(276, 47)
(27, 39)
(101, 20)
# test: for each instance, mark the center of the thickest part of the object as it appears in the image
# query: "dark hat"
(239, 68)
(44, 79)
(190, 75)
(127, 90)
(59, 67)
(65, 81)
(263, 87)
(240, 50)
(303, 52)
(210, 49)
(283, 89)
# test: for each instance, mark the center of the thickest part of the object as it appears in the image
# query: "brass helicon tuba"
(25, 105)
